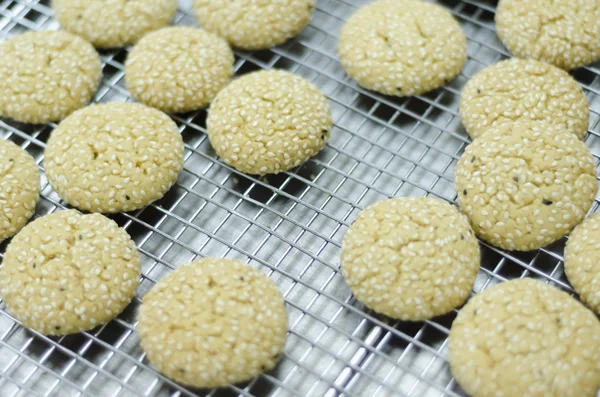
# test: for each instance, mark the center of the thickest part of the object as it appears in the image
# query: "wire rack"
(290, 225)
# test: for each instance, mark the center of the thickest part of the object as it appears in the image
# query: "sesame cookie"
(178, 69)
(45, 76)
(67, 272)
(268, 122)
(19, 188)
(113, 23)
(525, 338)
(402, 47)
(518, 89)
(410, 258)
(213, 322)
(114, 157)
(254, 25)
(526, 184)
(565, 33)
(582, 261)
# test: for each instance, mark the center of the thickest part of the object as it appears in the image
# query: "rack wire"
(290, 225)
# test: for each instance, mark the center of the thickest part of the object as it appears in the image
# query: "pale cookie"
(582, 261)
(19, 188)
(45, 76)
(525, 338)
(113, 23)
(402, 47)
(268, 122)
(178, 69)
(565, 33)
(410, 258)
(517, 89)
(524, 185)
(213, 322)
(67, 272)
(114, 157)
(252, 24)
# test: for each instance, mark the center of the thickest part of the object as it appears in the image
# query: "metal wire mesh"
(290, 225)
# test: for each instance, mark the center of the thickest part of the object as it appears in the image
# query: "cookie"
(526, 184)
(402, 47)
(410, 258)
(213, 322)
(67, 272)
(19, 188)
(254, 25)
(178, 69)
(45, 76)
(517, 89)
(525, 338)
(114, 157)
(267, 122)
(582, 261)
(565, 33)
(113, 23)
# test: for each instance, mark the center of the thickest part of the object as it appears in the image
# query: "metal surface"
(290, 225)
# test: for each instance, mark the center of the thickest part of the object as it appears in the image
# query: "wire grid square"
(290, 225)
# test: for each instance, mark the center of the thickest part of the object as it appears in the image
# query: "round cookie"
(213, 322)
(525, 338)
(402, 47)
(267, 122)
(114, 157)
(67, 272)
(178, 69)
(45, 76)
(410, 258)
(526, 184)
(113, 23)
(565, 33)
(517, 89)
(582, 261)
(254, 25)
(19, 188)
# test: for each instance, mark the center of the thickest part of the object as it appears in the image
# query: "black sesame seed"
(242, 278)
(462, 236)
(473, 159)
(475, 312)
(57, 326)
(465, 192)
(181, 370)
(324, 130)
(11, 160)
(127, 197)
(80, 237)
(516, 179)
(399, 88)
(34, 265)
(323, 136)
(547, 202)
(479, 91)
(557, 320)
(446, 81)
(62, 289)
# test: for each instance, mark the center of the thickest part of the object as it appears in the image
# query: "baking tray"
(290, 225)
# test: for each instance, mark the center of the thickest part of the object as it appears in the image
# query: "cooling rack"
(290, 225)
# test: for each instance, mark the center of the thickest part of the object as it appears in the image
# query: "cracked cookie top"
(67, 272)
(525, 338)
(114, 157)
(526, 184)
(268, 122)
(19, 188)
(45, 76)
(402, 47)
(565, 33)
(410, 258)
(518, 89)
(178, 69)
(213, 322)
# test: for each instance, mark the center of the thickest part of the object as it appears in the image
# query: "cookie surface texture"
(178, 69)
(565, 33)
(213, 322)
(268, 122)
(254, 24)
(67, 272)
(524, 185)
(525, 338)
(410, 258)
(582, 261)
(19, 188)
(114, 157)
(402, 47)
(45, 76)
(113, 23)
(517, 89)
